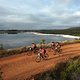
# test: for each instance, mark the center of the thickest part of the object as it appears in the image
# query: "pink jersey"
(43, 51)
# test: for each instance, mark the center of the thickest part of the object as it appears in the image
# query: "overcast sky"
(39, 14)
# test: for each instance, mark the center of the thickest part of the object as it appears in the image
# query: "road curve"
(20, 67)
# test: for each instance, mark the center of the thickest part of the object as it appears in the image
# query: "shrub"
(63, 71)
(3, 53)
(42, 41)
(72, 70)
(1, 47)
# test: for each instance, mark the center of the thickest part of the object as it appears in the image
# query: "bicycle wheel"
(38, 59)
(46, 56)
(55, 50)
(60, 51)
(29, 53)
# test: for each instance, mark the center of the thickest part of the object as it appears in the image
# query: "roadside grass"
(6, 53)
(69, 70)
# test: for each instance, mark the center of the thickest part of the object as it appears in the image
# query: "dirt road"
(19, 67)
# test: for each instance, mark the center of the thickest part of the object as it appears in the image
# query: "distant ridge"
(70, 31)
(74, 28)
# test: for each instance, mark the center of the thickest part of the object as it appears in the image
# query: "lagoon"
(25, 39)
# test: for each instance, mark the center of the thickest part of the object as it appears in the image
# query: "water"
(25, 39)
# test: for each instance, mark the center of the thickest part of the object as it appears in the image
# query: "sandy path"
(19, 67)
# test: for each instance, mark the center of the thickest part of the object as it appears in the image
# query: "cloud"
(39, 13)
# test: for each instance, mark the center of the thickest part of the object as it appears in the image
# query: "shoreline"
(45, 34)
(53, 35)
(61, 35)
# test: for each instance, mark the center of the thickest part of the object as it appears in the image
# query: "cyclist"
(57, 45)
(42, 52)
(53, 45)
(33, 46)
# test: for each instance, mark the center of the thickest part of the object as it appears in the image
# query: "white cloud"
(77, 13)
(40, 12)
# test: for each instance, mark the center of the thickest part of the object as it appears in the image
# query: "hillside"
(71, 31)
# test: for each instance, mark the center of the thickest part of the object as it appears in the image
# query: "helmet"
(32, 42)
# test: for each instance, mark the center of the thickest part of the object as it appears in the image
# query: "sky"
(39, 14)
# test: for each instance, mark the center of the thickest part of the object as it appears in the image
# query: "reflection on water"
(23, 39)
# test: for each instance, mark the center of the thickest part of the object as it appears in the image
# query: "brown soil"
(20, 67)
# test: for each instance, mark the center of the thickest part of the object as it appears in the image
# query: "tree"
(1, 47)
(42, 41)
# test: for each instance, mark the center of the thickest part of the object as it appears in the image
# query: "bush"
(1, 47)
(5, 53)
(71, 71)
(42, 41)
(63, 71)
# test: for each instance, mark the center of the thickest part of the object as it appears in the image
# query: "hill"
(71, 31)
(76, 28)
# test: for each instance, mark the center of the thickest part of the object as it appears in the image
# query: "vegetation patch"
(69, 70)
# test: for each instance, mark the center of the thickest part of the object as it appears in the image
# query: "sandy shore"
(62, 35)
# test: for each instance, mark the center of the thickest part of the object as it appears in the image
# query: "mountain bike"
(30, 51)
(40, 58)
(58, 51)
